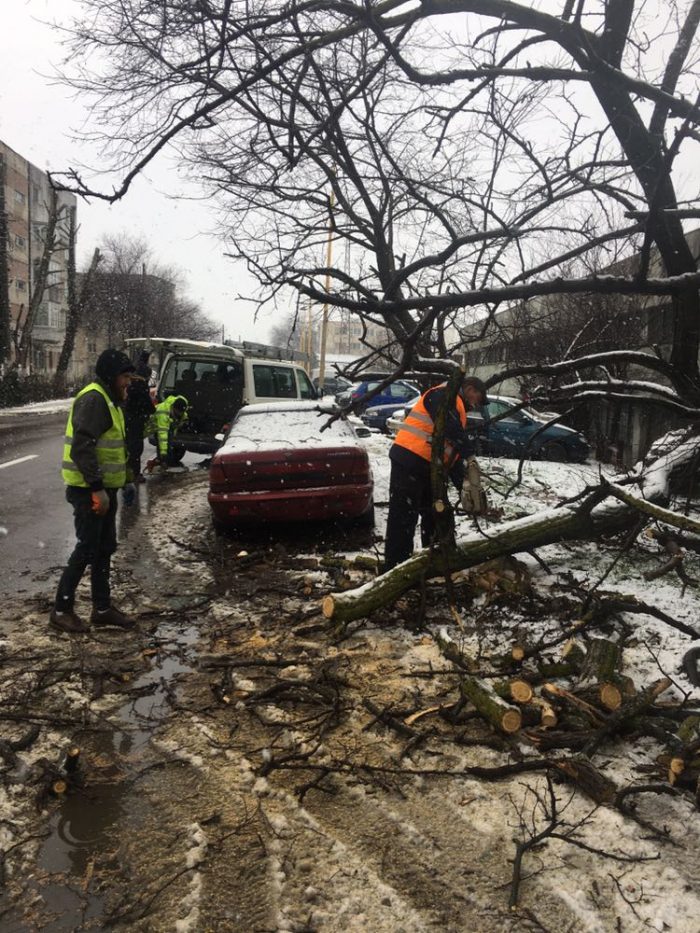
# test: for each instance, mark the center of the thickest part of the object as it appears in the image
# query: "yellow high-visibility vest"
(110, 447)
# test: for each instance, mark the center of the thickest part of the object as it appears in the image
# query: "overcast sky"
(37, 117)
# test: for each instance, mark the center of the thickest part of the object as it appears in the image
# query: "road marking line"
(19, 460)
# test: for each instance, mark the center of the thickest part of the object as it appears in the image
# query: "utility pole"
(324, 319)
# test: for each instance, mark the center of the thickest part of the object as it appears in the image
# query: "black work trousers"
(409, 497)
(135, 425)
(97, 541)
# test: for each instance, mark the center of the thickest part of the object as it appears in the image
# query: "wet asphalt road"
(36, 528)
(36, 522)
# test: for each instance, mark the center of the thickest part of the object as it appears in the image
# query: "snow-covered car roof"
(288, 425)
(325, 406)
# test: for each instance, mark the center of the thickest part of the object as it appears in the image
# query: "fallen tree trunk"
(588, 517)
(563, 524)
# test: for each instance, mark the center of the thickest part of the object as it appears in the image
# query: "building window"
(35, 193)
(42, 316)
(20, 242)
(19, 197)
(56, 294)
(21, 285)
(57, 319)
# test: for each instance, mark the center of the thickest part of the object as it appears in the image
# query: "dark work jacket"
(139, 404)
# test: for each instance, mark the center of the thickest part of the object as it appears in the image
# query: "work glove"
(100, 501)
(129, 494)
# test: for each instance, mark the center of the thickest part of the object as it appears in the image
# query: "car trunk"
(289, 469)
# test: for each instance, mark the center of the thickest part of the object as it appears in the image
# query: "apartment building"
(26, 201)
(344, 336)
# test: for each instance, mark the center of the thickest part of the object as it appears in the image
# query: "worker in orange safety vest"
(409, 487)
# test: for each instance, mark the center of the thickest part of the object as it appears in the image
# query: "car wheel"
(554, 451)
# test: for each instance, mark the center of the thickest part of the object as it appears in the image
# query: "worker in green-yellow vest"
(165, 421)
(94, 468)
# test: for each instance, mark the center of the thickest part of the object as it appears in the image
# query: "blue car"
(515, 434)
(399, 393)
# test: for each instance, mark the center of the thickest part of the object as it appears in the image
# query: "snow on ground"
(49, 407)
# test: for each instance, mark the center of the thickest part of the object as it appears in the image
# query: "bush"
(21, 390)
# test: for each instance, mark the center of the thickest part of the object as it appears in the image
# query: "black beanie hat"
(112, 363)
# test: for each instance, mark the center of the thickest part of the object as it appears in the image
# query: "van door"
(213, 389)
(306, 386)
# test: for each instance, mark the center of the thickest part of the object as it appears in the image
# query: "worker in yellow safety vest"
(165, 421)
(94, 468)
(409, 485)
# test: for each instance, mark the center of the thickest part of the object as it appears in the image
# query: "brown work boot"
(111, 616)
(68, 621)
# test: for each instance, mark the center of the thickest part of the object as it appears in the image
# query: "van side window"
(306, 389)
(274, 381)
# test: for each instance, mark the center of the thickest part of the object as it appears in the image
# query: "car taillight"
(216, 474)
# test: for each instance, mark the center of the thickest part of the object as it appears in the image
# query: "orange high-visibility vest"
(416, 433)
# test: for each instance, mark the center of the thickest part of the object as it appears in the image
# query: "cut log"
(500, 714)
(676, 766)
(629, 710)
(548, 716)
(518, 690)
(517, 653)
(606, 695)
(569, 699)
(602, 661)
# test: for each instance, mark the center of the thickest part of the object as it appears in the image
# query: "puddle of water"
(86, 823)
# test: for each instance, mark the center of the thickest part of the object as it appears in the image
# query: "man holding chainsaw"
(410, 494)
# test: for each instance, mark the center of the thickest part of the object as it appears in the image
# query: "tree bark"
(76, 304)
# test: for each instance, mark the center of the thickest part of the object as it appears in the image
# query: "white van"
(217, 380)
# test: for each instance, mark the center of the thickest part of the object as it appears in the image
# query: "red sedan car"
(277, 465)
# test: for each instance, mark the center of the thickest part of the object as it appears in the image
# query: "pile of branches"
(580, 700)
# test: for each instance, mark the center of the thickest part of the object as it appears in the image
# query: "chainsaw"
(473, 497)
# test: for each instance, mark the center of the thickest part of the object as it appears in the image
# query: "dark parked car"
(515, 435)
(277, 465)
(376, 416)
(333, 385)
(399, 393)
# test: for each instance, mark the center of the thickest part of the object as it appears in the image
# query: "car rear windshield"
(292, 429)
